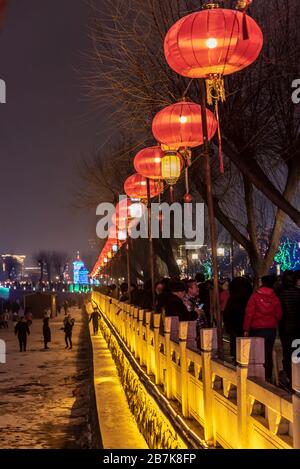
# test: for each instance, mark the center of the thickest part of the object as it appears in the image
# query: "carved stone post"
(208, 345)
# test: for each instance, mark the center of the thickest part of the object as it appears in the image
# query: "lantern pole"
(212, 222)
(232, 257)
(128, 267)
(152, 271)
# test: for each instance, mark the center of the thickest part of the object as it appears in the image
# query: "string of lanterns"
(209, 44)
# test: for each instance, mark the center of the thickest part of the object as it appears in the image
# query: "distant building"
(80, 272)
(12, 267)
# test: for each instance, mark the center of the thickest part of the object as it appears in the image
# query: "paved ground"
(44, 395)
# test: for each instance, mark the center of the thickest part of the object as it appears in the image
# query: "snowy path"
(44, 395)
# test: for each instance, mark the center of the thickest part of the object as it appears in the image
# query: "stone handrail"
(235, 406)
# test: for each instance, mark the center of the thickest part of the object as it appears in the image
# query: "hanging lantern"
(136, 187)
(171, 167)
(123, 208)
(213, 43)
(3, 7)
(148, 162)
(180, 126)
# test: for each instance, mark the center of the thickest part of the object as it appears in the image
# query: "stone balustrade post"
(183, 332)
(157, 318)
(127, 324)
(168, 371)
(135, 331)
(148, 342)
(250, 363)
(296, 404)
(131, 328)
(139, 352)
(208, 346)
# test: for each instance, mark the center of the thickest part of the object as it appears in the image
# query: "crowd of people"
(269, 311)
(22, 321)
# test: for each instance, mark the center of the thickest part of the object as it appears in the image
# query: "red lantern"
(180, 126)
(148, 162)
(213, 43)
(123, 208)
(136, 187)
(3, 6)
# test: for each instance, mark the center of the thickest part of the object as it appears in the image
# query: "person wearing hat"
(175, 303)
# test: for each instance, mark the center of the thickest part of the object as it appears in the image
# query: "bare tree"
(128, 74)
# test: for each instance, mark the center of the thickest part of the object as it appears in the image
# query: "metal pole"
(212, 222)
(152, 270)
(128, 268)
(232, 258)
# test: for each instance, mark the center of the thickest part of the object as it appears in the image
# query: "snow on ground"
(44, 394)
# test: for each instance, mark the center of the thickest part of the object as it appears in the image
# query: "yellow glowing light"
(157, 160)
(143, 183)
(183, 119)
(171, 167)
(211, 43)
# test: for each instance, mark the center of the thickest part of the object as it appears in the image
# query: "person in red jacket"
(262, 316)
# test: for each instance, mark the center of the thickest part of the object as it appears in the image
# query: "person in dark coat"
(240, 290)
(175, 302)
(95, 316)
(289, 326)
(22, 331)
(68, 329)
(46, 332)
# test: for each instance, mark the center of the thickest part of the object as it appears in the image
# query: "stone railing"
(235, 406)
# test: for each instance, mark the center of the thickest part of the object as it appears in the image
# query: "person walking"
(68, 329)
(240, 290)
(95, 316)
(46, 332)
(262, 316)
(22, 331)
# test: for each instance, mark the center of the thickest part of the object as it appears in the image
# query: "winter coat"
(224, 297)
(69, 327)
(176, 307)
(46, 330)
(22, 329)
(263, 310)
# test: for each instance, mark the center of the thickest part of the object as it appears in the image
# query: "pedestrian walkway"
(117, 424)
(44, 395)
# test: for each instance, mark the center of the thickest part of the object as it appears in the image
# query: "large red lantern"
(136, 187)
(3, 6)
(148, 162)
(212, 43)
(180, 126)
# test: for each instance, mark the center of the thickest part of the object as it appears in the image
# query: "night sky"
(45, 127)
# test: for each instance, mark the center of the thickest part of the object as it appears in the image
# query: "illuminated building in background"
(12, 266)
(80, 272)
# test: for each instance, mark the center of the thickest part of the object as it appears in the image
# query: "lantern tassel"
(245, 27)
(187, 189)
(221, 157)
(171, 194)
